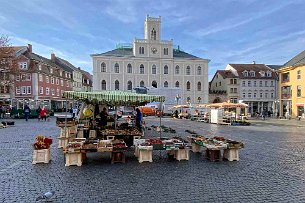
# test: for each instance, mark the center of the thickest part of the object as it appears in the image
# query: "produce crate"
(41, 156)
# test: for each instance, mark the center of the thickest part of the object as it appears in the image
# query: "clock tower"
(152, 31)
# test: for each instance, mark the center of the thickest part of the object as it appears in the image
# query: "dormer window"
(23, 66)
(245, 73)
(269, 74)
(51, 70)
(262, 73)
(39, 67)
(252, 74)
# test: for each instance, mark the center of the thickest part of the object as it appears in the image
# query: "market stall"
(216, 148)
(228, 113)
(90, 136)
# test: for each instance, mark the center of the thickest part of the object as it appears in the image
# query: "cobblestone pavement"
(271, 168)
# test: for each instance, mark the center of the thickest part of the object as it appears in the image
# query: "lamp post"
(276, 106)
(177, 98)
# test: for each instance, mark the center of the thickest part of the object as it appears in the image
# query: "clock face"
(154, 50)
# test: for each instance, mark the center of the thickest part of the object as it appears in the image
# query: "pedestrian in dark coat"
(26, 112)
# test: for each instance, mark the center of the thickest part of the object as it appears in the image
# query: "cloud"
(39, 48)
(122, 10)
(238, 21)
(50, 9)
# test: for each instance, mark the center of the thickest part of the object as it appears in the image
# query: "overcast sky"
(224, 31)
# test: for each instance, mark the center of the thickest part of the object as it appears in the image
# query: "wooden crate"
(144, 153)
(231, 154)
(182, 154)
(62, 142)
(73, 158)
(196, 148)
(41, 156)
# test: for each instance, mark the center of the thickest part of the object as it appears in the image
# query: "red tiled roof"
(257, 68)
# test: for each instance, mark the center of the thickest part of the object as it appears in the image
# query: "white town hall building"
(152, 62)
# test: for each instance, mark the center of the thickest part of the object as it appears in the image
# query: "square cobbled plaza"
(271, 167)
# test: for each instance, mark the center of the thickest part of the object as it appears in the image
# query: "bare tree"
(8, 65)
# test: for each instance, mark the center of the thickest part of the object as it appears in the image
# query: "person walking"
(26, 112)
(139, 119)
(43, 113)
(74, 111)
(38, 113)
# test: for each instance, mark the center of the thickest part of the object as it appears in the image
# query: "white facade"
(257, 88)
(152, 62)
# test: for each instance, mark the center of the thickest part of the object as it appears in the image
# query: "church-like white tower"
(152, 62)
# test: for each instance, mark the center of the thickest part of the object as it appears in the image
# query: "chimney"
(78, 68)
(53, 57)
(30, 48)
(253, 62)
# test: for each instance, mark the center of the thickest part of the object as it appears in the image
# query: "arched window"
(129, 85)
(116, 68)
(177, 84)
(142, 83)
(154, 69)
(153, 34)
(199, 70)
(188, 70)
(165, 69)
(103, 67)
(129, 68)
(154, 84)
(188, 86)
(103, 85)
(116, 85)
(199, 86)
(199, 99)
(165, 84)
(141, 69)
(177, 69)
(141, 50)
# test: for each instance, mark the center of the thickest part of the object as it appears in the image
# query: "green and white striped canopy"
(113, 97)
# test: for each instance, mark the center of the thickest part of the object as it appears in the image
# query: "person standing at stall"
(26, 112)
(139, 119)
(103, 115)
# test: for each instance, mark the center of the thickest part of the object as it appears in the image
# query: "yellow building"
(292, 87)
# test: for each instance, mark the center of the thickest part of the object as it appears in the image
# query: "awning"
(299, 104)
(113, 97)
(227, 105)
(181, 106)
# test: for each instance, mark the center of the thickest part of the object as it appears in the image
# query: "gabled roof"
(240, 68)
(86, 74)
(41, 59)
(226, 74)
(297, 60)
(275, 67)
(65, 64)
(129, 52)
